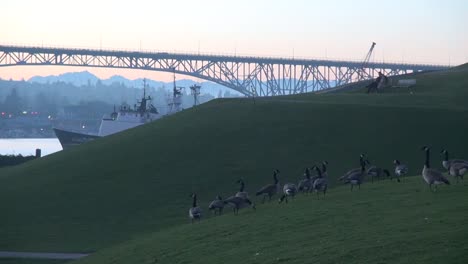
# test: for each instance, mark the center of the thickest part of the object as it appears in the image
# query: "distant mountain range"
(84, 78)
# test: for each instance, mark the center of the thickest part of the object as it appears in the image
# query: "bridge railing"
(212, 54)
(250, 75)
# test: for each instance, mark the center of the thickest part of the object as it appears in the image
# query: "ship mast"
(143, 105)
(176, 101)
(195, 92)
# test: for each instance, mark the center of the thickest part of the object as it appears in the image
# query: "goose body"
(350, 172)
(241, 193)
(458, 170)
(195, 212)
(270, 189)
(433, 176)
(321, 183)
(353, 171)
(356, 177)
(430, 175)
(238, 203)
(446, 162)
(305, 185)
(289, 190)
(376, 172)
(400, 169)
(217, 205)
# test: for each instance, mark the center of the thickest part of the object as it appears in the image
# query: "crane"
(362, 72)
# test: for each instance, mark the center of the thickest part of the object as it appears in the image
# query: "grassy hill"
(384, 222)
(139, 181)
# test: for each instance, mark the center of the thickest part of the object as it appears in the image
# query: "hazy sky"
(419, 31)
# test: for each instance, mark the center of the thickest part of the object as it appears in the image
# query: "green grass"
(384, 222)
(138, 182)
(31, 261)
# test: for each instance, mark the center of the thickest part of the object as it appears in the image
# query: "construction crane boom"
(362, 71)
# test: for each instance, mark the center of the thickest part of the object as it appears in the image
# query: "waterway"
(28, 146)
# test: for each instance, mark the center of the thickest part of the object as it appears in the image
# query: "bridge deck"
(259, 76)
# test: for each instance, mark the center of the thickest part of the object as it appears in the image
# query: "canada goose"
(270, 189)
(375, 172)
(238, 203)
(446, 162)
(241, 192)
(361, 163)
(324, 171)
(430, 175)
(289, 190)
(356, 177)
(195, 212)
(400, 169)
(321, 183)
(458, 170)
(217, 205)
(305, 185)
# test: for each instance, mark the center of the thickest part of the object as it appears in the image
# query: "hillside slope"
(139, 181)
(384, 222)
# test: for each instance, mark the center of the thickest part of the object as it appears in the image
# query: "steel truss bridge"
(251, 76)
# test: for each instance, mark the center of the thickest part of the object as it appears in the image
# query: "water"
(28, 146)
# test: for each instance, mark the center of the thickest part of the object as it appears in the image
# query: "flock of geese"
(319, 182)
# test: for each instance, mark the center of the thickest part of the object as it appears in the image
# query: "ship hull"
(69, 139)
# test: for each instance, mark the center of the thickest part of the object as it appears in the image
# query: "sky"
(417, 31)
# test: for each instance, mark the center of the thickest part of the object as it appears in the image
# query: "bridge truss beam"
(251, 76)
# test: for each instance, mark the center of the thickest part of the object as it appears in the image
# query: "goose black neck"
(194, 204)
(446, 155)
(362, 162)
(275, 177)
(242, 186)
(397, 162)
(427, 158)
(324, 167)
(307, 173)
(318, 172)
